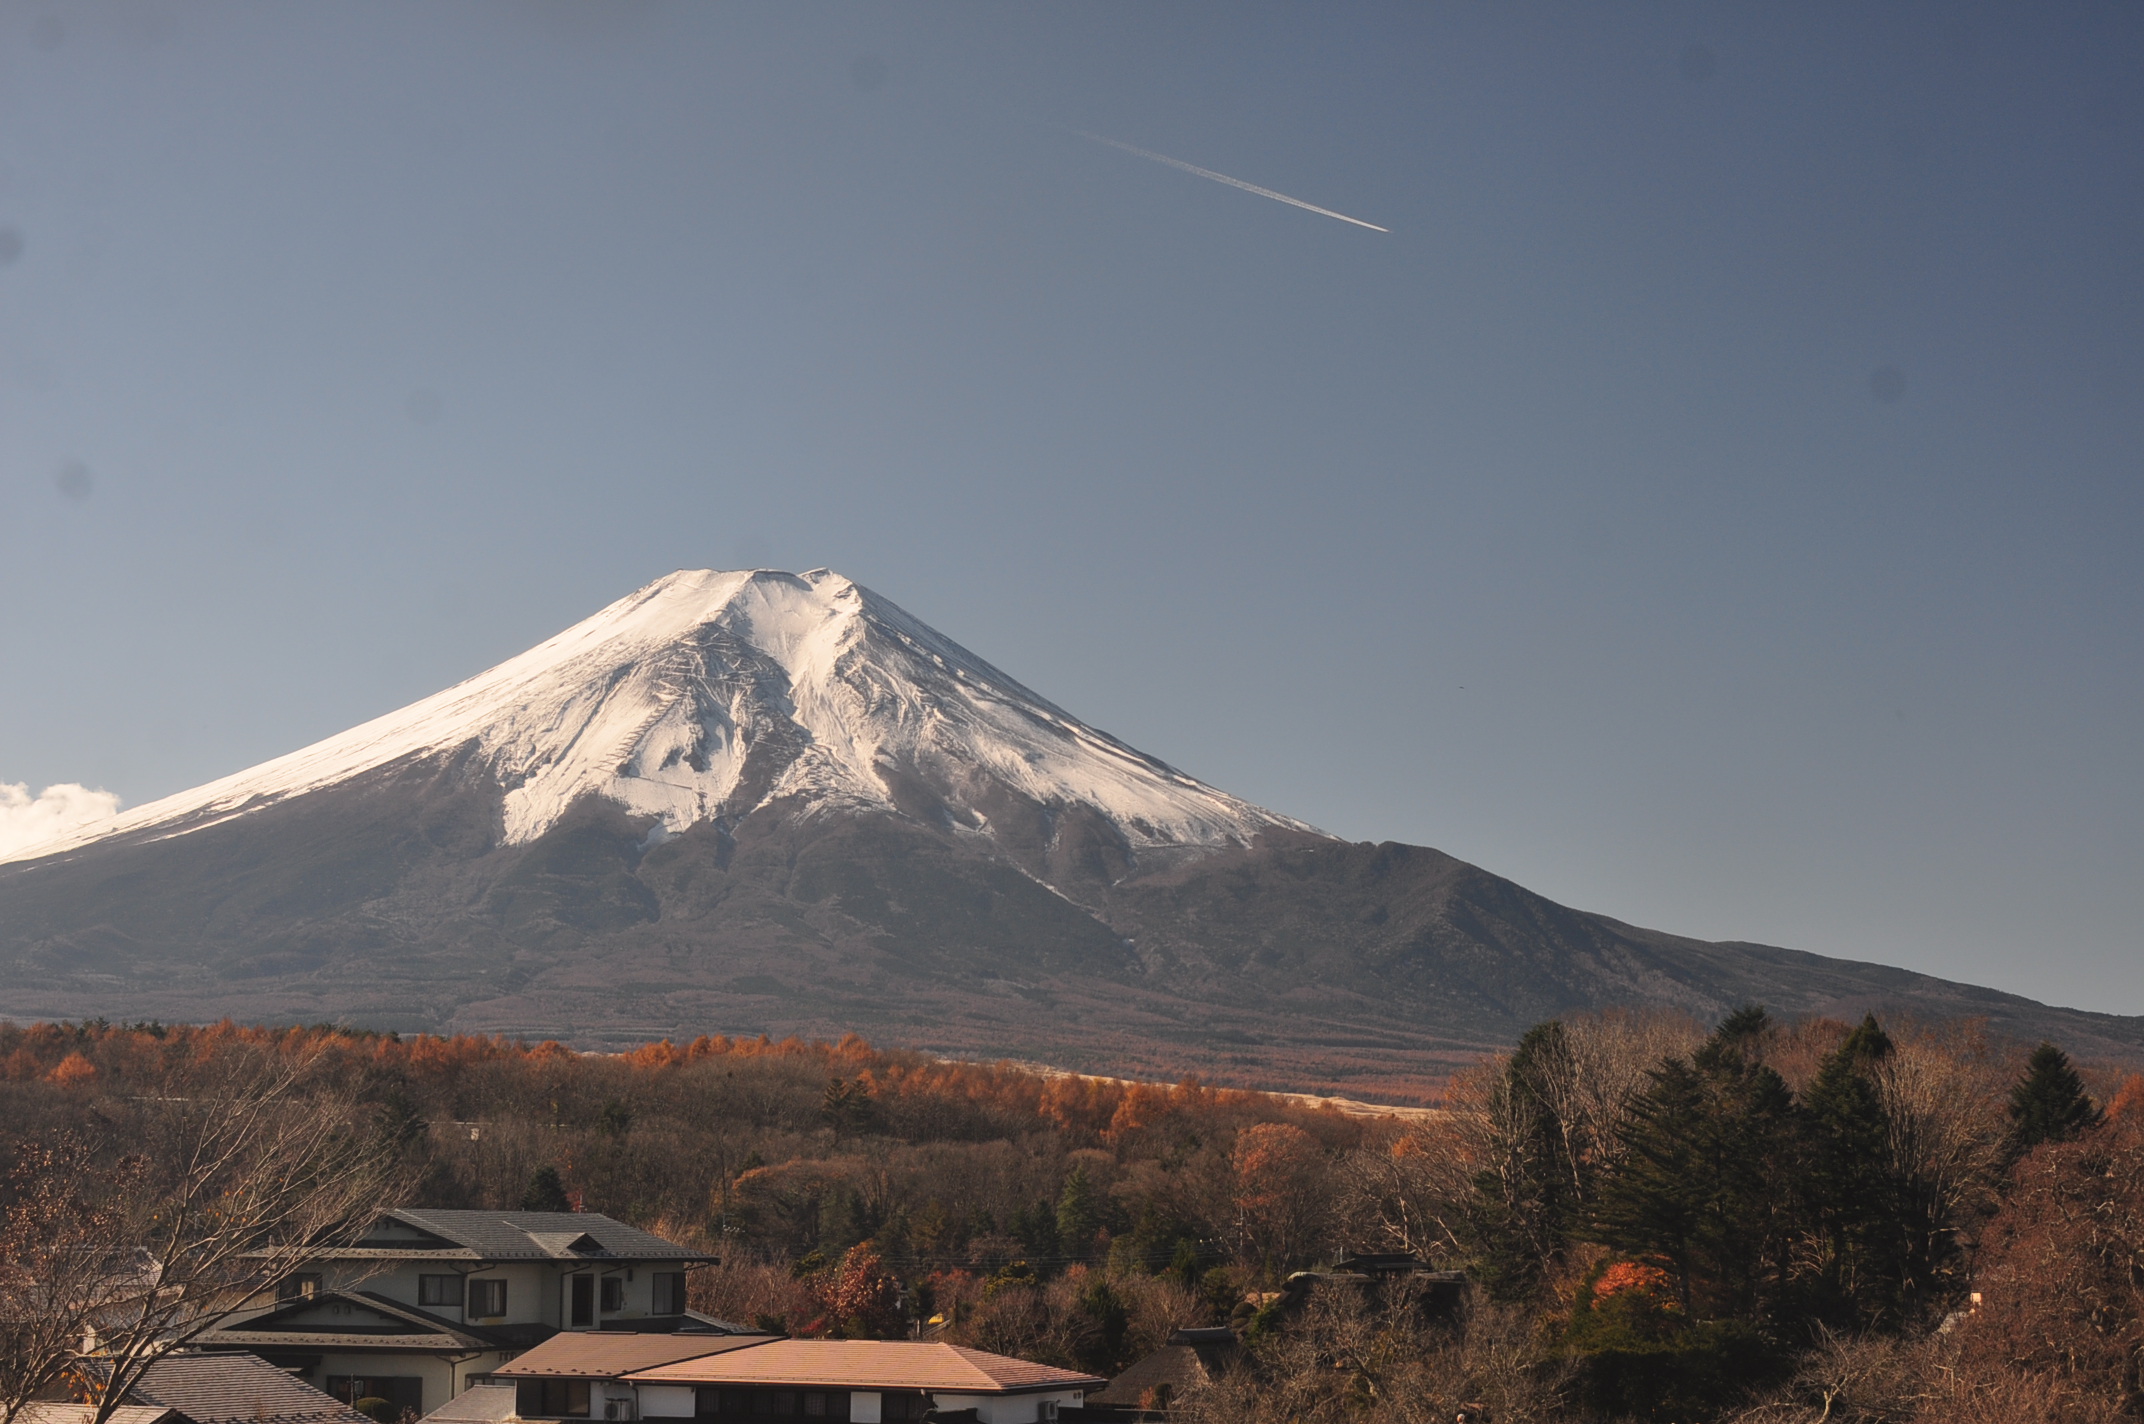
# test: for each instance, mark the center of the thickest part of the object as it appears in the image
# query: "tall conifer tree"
(1851, 1188)
(1705, 1186)
(2049, 1103)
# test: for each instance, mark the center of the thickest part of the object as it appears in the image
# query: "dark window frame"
(669, 1291)
(484, 1295)
(443, 1290)
(580, 1301)
(552, 1398)
(406, 1391)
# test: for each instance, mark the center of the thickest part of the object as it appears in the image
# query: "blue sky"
(1716, 502)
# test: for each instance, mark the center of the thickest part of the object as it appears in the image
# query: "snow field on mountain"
(670, 699)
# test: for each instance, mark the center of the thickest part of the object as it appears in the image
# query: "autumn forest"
(1761, 1220)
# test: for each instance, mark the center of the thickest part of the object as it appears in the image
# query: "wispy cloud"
(1193, 168)
(27, 821)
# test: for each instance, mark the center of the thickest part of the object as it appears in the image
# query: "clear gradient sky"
(1716, 502)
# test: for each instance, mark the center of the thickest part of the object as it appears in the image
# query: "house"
(759, 1379)
(858, 1382)
(582, 1376)
(427, 1303)
(1155, 1384)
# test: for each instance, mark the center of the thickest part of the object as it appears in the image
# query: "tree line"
(1762, 1220)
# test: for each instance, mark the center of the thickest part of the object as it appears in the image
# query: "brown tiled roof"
(238, 1389)
(870, 1364)
(578, 1354)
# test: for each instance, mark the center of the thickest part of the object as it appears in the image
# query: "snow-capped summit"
(709, 695)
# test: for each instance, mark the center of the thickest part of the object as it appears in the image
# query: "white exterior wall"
(535, 1290)
(863, 1407)
(1007, 1408)
(667, 1401)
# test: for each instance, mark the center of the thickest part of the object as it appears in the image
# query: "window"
(552, 1399)
(440, 1290)
(901, 1407)
(299, 1287)
(669, 1292)
(487, 1298)
(401, 1391)
(613, 1295)
(583, 1294)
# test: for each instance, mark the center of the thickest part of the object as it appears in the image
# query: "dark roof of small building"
(420, 1233)
(1191, 1358)
(604, 1354)
(870, 1364)
(237, 1388)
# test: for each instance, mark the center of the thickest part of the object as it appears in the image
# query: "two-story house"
(427, 1302)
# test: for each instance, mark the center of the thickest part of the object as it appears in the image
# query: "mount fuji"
(762, 801)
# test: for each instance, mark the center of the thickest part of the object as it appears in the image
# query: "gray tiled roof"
(478, 1404)
(524, 1236)
(238, 1389)
(379, 1324)
(38, 1412)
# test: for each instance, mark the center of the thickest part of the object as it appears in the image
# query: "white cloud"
(27, 820)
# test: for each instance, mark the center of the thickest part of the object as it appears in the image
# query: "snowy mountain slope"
(708, 695)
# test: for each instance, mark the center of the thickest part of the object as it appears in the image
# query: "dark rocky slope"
(1300, 962)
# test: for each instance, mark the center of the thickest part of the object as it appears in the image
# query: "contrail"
(1231, 182)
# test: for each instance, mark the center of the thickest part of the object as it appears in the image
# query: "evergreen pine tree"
(1705, 1184)
(2049, 1103)
(1035, 1228)
(1851, 1189)
(1655, 1203)
(546, 1191)
(1079, 1214)
(1102, 1324)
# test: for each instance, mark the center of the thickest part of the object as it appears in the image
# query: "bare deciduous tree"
(250, 1174)
(1349, 1357)
(64, 1255)
(1942, 1095)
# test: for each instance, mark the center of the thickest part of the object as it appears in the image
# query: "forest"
(1757, 1221)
